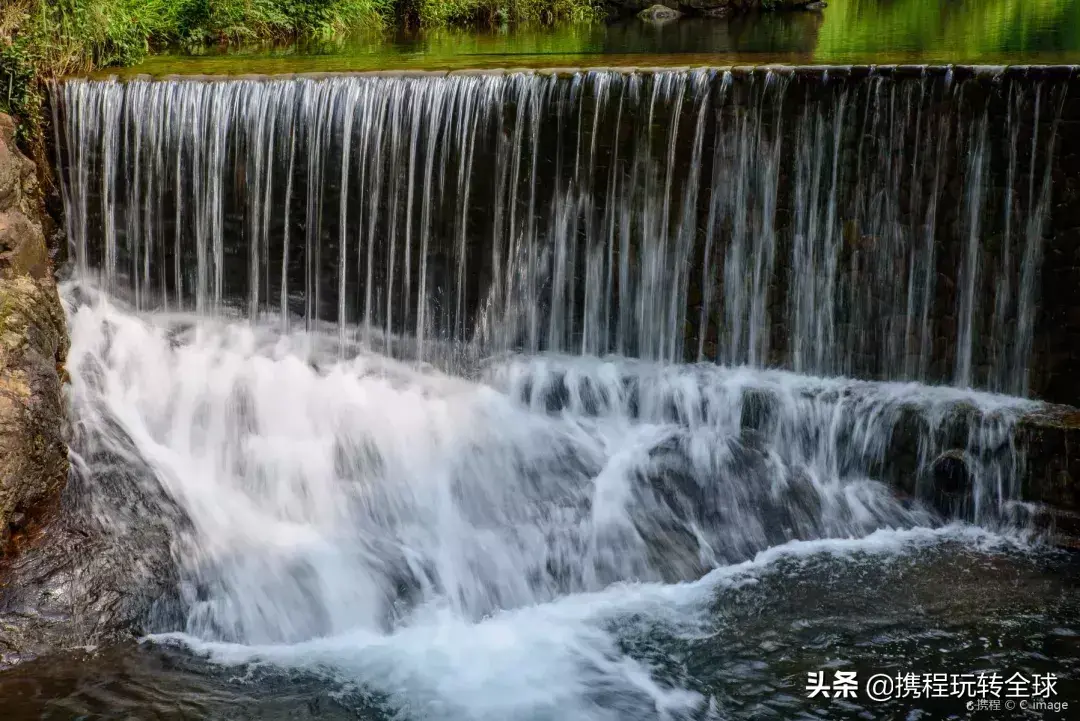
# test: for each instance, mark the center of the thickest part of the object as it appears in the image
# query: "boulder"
(659, 14)
(33, 345)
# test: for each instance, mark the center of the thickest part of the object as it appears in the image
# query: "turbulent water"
(486, 545)
(442, 397)
(882, 224)
(328, 494)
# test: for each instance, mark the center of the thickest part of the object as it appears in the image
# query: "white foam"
(550, 660)
(469, 555)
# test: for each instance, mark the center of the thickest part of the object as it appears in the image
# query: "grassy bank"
(40, 39)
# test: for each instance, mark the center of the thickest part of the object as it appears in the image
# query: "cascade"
(885, 223)
(469, 391)
(323, 494)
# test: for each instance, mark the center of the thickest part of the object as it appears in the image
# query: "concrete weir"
(892, 223)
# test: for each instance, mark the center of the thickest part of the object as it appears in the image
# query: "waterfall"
(454, 388)
(879, 225)
(324, 495)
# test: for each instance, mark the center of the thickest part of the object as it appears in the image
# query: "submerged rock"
(33, 345)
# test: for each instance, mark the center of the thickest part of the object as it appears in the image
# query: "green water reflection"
(847, 31)
(964, 30)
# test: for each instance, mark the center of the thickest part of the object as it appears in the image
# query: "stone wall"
(1055, 369)
(33, 345)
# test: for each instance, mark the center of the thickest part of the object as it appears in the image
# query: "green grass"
(69, 35)
(61, 36)
(56, 37)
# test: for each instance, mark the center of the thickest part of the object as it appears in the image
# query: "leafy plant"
(435, 13)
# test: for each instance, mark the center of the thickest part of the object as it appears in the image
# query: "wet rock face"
(81, 576)
(95, 577)
(33, 345)
(1051, 442)
(80, 583)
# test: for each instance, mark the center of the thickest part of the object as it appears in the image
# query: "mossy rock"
(33, 347)
(659, 14)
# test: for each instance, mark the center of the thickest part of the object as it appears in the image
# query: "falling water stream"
(534, 396)
(831, 222)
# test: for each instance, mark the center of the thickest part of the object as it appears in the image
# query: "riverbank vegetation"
(45, 38)
(40, 39)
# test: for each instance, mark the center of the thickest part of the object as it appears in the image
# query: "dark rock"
(1048, 442)
(951, 480)
(1050, 439)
